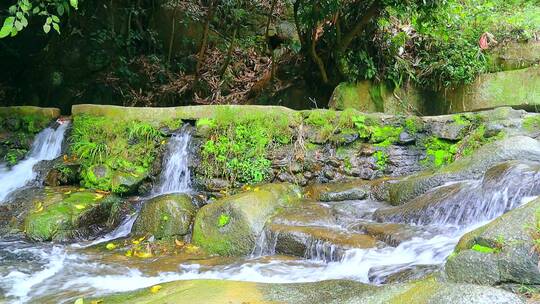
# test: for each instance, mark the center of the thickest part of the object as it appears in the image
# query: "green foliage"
(484, 249)
(439, 152)
(238, 144)
(532, 123)
(23, 10)
(223, 220)
(381, 159)
(127, 147)
(13, 156)
(384, 136)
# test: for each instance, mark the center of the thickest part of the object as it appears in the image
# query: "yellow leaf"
(179, 243)
(66, 193)
(155, 288)
(162, 142)
(110, 246)
(98, 196)
(135, 242)
(80, 207)
(96, 302)
(256, 189)
(143, 255)
(65, 157)
(129, 253)
(79, 301)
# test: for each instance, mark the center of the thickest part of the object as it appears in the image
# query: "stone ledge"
(30, 110)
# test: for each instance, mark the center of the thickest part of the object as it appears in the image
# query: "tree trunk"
(204, 43)
(229, 54)
(318, 61)
(269, 21)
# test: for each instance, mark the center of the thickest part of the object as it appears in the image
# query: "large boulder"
(474, 166)
(165, 216)
(67, 213)
(330, 292)
(502, 252)
(231, 225)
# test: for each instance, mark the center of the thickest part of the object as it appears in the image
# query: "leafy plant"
(23, 10)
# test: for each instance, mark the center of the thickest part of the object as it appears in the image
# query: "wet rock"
(127, 182)
(471, 167)
(165, 216)
(216, 184)
(445, 127)
(62, 175)
(285, 177)
(66, 213)
(391, 233)
(501, 189)
(328, 292)
(407, 275)
(317, 242)
(405, 138)
(230, 225)
(344, 195)
(502, 251)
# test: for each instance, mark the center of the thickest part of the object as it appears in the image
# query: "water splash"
(47, 146)
(176, 177)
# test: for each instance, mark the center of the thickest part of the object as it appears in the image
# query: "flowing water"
(47, 146)
(46, 273)
(175, 177)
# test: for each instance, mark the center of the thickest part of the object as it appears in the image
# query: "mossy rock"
(508, 245)
(67, 213)
(128, 182)
(469, 167)
(165, 216)
(329, 292)
(231, 225)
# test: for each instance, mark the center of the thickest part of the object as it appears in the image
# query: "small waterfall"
(176, 177)
(322, 251)
(466, 203)
(47, 146)
(265, 244)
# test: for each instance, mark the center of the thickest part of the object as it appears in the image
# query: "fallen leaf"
(129, 253)
(96, 302)
(80, 207)
(179, 243)
(143, 254)
(79, 301)
(98, 196)
(155, 288)
(66, 193)
(110, 246)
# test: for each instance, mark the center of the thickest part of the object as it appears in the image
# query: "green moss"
(439, 152)
(223, 220)
(413, 125)
(129, 147)
(384, 136)
(238, 144)
(381, 159)
(532, 123)
(483, 249)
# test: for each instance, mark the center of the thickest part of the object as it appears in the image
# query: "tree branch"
(372, 11)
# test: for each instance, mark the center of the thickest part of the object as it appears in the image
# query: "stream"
(54, 273)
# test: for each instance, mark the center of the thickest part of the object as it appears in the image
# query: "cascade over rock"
(504, 251)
